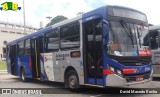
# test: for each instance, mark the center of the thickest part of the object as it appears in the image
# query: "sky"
(36, 11)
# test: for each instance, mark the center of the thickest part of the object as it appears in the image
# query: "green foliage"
(3, 65)
(57, 19)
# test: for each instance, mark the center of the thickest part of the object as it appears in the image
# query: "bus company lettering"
(144, 53)
(60, 57)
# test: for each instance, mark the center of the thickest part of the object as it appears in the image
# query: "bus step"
(94, 85)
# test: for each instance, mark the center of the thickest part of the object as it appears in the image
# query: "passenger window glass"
(52, 41)
(21, 48)
(70, 36)
(27, 47)
(154, 40)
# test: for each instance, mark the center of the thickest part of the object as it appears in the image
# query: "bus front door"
(35, 58)
(93, 51)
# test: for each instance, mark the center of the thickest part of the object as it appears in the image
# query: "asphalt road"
(9, 82)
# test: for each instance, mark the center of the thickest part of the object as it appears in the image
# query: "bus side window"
(70, 36)
(41, 43)
(27, 47)
(21, 48)
(154, 40)
(52, 41)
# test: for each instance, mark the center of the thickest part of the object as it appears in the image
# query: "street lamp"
(80, 13)
(49, 17)
(24, 18)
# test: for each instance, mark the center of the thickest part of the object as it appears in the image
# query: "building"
(9, 32)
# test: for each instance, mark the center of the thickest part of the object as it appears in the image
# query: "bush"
(3, 65)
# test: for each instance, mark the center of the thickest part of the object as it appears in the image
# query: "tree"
(57, 19)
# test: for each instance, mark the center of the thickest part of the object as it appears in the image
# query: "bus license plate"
(139, 78)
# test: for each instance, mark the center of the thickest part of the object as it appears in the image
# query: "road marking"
(97, 95)
(4, 80)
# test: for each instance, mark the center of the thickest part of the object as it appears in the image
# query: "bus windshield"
(126, 38)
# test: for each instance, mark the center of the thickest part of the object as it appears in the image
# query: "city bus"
(103, 47)
(154, 42)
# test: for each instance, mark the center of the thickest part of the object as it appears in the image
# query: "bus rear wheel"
(22, 75)
(72, 81)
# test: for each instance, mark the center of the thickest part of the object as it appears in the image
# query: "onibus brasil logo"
(9, 6)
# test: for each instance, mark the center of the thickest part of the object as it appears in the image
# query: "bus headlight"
(112, 69)
(119, 72)
(116, 71)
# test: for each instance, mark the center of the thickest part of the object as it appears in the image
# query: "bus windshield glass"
(126, 38)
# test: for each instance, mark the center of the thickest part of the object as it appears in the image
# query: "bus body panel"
(23, 61)
(64, 60)
(153, 40)
(156, 70)
(48, 66)
(115, 80)
(56, 63)
(118, 80)
(155, 57)
(156, 62)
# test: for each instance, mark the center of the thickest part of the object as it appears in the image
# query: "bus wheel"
(72, 81)
(23, 78)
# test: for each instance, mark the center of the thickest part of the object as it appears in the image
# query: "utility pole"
(49, 17)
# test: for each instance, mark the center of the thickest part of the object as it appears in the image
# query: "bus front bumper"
(115, 80)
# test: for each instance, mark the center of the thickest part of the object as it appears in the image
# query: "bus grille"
(132, 61)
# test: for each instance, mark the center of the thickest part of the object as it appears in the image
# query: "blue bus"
(103, 47)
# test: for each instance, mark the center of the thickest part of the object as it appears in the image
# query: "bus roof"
(30, 35)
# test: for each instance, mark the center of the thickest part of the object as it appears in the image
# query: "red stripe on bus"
(106, 71)
(30, 63)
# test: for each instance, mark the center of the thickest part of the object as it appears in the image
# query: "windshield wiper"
(128, 30)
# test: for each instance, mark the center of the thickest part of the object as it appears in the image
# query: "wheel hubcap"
(72, 81)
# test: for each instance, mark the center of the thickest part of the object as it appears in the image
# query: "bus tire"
(22, 75)
(72, 81)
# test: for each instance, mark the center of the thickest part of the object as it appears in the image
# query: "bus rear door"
(35, 57)
(12, 56)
